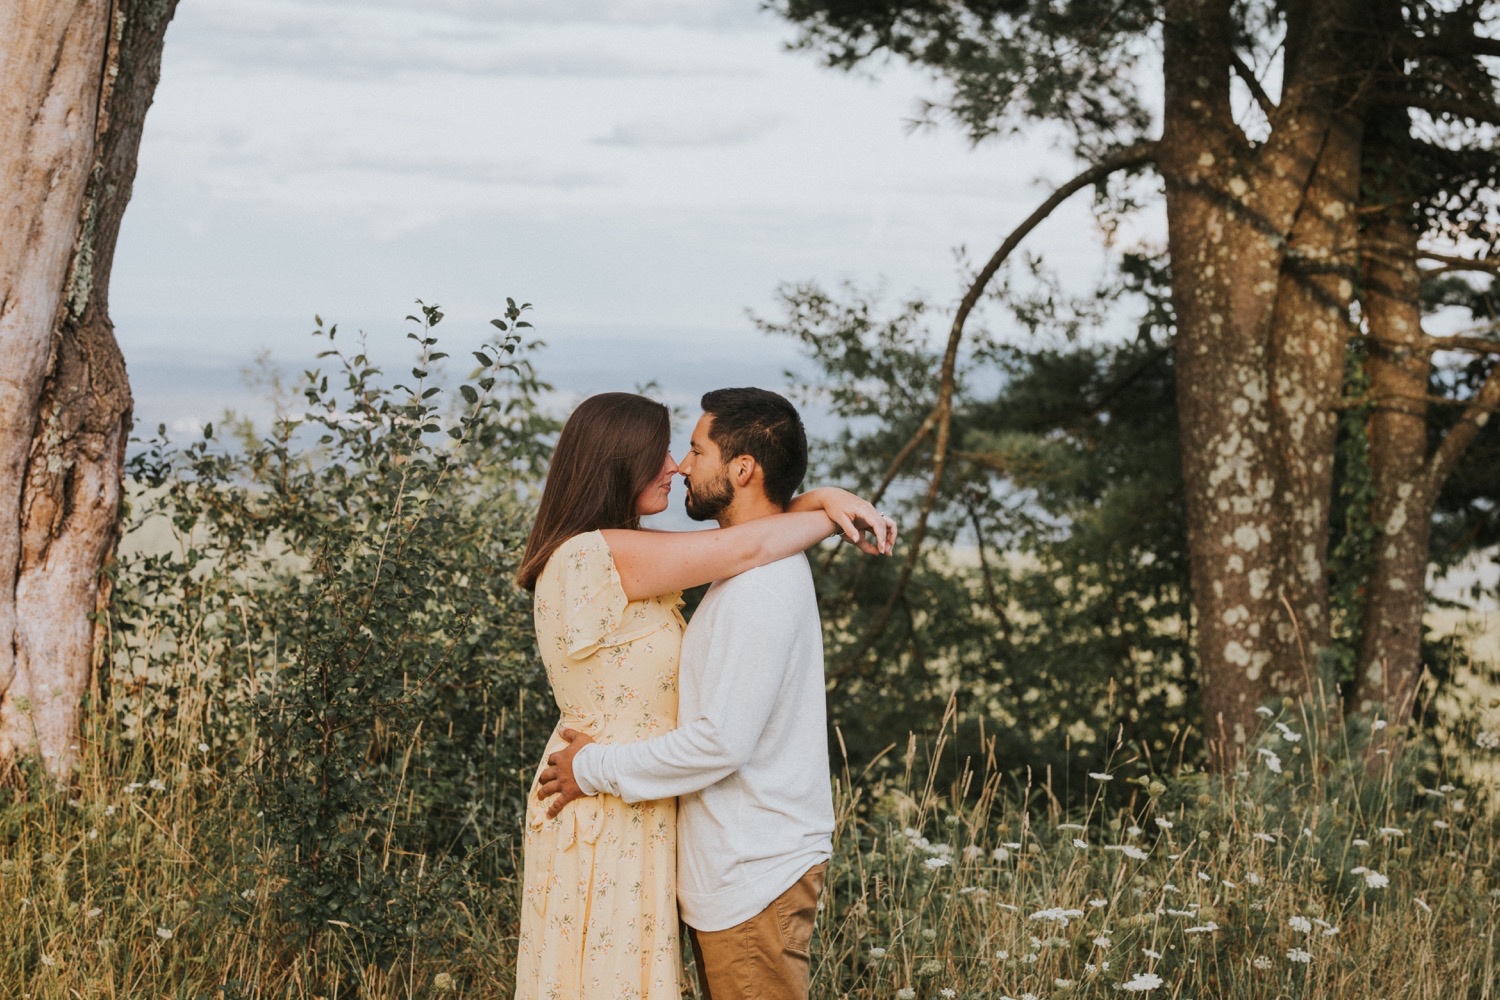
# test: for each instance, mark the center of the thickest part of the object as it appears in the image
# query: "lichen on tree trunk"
(78, 79)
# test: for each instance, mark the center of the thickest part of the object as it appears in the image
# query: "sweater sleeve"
(750, 642)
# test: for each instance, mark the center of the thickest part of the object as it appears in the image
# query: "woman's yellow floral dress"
(599, 904)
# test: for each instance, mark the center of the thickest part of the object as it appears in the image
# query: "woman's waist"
(618, 726)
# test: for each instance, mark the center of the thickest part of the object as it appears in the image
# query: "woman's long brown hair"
(610, 450)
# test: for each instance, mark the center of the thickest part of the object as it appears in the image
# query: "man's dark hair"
(765, 426)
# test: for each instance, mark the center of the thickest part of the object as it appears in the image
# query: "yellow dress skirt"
(599, 898)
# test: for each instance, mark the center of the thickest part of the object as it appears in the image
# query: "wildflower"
(1392, 831)
(1207, 927)
(1101, 776)
(877, 952)
(134, 787)
(1002, 955)
(1253, 878)
(203, 748)
(1057, 914)
(1377, 725)
(1300, 923)
(1129, 850)
(1098, 904)
(1071, 826)
(1141, 982)
(109, 810)
(156, 785)
(1487, 740)
(1164, 823)
(972, 852)
(1080, 844)
(933, 864)
(94, 913)
(1298, 955)
(165, 933)
(1204, 877)
(1439, 824)
(1264, 712)
(1090, 968)
(929, 934)
(443, 981)
(1000, 854)
(1287, 733)
(48, 960)
(1261, 962)
(1360, 842)
(1169, 887)
(906, 993)
(1273, 762)
(1062, 984)
(1266, 837)
(929, 968)
(1227, 884)
(1012, 846)
(1153, 955)
(1375, 880)
(948, 992)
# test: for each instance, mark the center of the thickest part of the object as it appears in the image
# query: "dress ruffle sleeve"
(594, 606)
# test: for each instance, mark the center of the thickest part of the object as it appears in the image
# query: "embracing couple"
(690, 768)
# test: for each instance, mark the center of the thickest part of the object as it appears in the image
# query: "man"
(749, 759)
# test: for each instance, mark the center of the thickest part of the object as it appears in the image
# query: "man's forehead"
(703, 428)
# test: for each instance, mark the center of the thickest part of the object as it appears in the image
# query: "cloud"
(713, 15)
(318, 40)
(679, 133)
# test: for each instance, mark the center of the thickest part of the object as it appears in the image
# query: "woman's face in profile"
(653, 499)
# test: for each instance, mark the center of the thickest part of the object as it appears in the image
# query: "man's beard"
(706, 501)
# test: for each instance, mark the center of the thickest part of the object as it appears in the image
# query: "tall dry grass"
(1309, 874)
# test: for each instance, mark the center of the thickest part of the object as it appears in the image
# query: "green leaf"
(468, 393)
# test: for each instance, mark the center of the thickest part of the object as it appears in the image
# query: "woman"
(599, 908)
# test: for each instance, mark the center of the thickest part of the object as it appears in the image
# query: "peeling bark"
(77, 79)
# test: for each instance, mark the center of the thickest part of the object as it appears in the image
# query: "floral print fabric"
(599, 897)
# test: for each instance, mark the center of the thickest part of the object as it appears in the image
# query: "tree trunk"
(1399, 365)
(1262, 242)
(77, 77)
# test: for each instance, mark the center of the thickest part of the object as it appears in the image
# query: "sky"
(646, 173)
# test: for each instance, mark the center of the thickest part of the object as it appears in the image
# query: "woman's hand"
(853, 516)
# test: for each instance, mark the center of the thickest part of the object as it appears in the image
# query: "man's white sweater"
(749, 757)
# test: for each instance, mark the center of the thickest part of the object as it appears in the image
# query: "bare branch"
(1489, 264)
(1474, 345)
(1247, 76)
(1485, 402)
(942, 412)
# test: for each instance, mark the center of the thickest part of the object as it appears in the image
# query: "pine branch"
(1247, 76)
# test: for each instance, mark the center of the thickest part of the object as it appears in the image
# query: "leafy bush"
(338, 600)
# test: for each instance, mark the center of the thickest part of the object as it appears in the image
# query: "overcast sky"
(644, 171)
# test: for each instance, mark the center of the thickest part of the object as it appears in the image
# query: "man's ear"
(744, 470)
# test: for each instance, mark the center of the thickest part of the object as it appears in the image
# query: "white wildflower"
(1000, 854)
(1440, 824)
(1298, 955)
(1378, 725)
(1487, 740)
(1080, 844)
(1149, 953)
(906, 993)
(1272, 761)
(1101, 942)
(877, 952)
(157, 785)
(1098, 904)
(1141, 982)
(1264, 712)
(1287, 733)
(948, 992)
(1207, 927)
(1204, 877)
(1101, 776)
(1392, 831)
(1071, 826)
(1057, 914)
(1253, 878)
(1165, 824)
(1300, 923)
(1129, 850)
(1360, 842)
(1266, 837)
(165, 933)
(1262, 962)
(1375, 880)
(933, 864)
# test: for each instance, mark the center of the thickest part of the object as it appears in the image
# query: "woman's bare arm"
(660, 562)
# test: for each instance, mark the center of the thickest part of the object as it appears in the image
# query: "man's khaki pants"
(766, 957)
